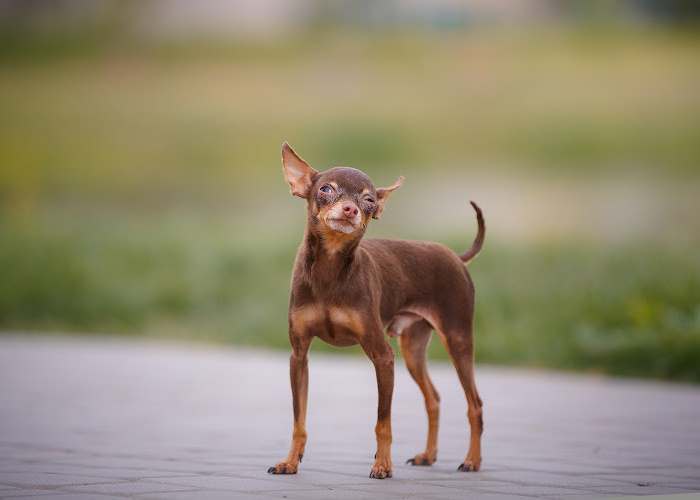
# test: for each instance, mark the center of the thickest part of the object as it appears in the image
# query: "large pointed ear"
(383, 195)
(297, 172)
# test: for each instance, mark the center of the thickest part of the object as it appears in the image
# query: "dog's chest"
(337, 325)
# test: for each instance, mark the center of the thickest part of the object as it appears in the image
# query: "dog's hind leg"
(460, 345)
(413, 342)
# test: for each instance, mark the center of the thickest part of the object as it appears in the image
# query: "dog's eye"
(369, 199)
(326, 188)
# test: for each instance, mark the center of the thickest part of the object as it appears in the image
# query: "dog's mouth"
(341, 225)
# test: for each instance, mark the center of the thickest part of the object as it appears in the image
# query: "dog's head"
(340, 200)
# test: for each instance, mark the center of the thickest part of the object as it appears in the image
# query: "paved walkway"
(82, 418)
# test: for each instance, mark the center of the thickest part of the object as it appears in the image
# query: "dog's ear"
(383, 195)
(297, 172)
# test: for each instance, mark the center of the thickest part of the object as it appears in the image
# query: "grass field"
(140, 188)
(631, 309)
(153, 121)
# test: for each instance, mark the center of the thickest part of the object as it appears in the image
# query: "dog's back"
(421, 277)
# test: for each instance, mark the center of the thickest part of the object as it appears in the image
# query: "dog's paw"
(283, 468)
(422, 459)
(469, 466)
(380, 471)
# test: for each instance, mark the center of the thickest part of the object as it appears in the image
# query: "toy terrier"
(347, 290)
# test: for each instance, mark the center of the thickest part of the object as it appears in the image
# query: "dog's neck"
(328, 257)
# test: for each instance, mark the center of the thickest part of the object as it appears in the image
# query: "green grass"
(628, 311)
(140, 183)
(132, 119)
(631, 310)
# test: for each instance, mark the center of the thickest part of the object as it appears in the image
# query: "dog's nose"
(349, 210)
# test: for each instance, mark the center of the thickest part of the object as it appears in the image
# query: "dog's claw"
(379, 475)
(463, 467)
(422, 460)
(301, 455)
(282, 468)
(380, 472)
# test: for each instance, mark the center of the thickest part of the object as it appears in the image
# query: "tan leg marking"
(382, 467)
(300, 319)
(461, 349)
(382, 356)
(413, 344)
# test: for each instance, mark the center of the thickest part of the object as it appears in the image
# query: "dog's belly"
(402, 321)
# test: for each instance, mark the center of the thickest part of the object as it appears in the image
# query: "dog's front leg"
(299, 376)
(382, 355)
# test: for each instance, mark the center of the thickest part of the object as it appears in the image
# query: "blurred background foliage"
(141, 191)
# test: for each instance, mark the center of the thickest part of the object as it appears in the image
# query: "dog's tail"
(480, 235)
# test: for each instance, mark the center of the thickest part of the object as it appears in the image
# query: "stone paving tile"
(329, 478)
(408, 489)
(328, 494)
(646, 478)
(637, 490)
(201, 494)
(490, 482)
(26, 492)
(548, 479)
(153, 466)
(316, 494)
(82, 470)
(57, 495)
(116, 418)
(686, 472)
(434, 493)
(33, 479)
(232, 483)
(368, 492)
(126, 488)
(550, 465)
(686, 485)
(535, 491)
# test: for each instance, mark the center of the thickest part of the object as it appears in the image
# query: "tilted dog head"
(340, 200)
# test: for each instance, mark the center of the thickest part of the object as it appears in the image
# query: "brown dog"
(346, 291)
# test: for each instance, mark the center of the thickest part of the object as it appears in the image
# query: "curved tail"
(480, 235)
